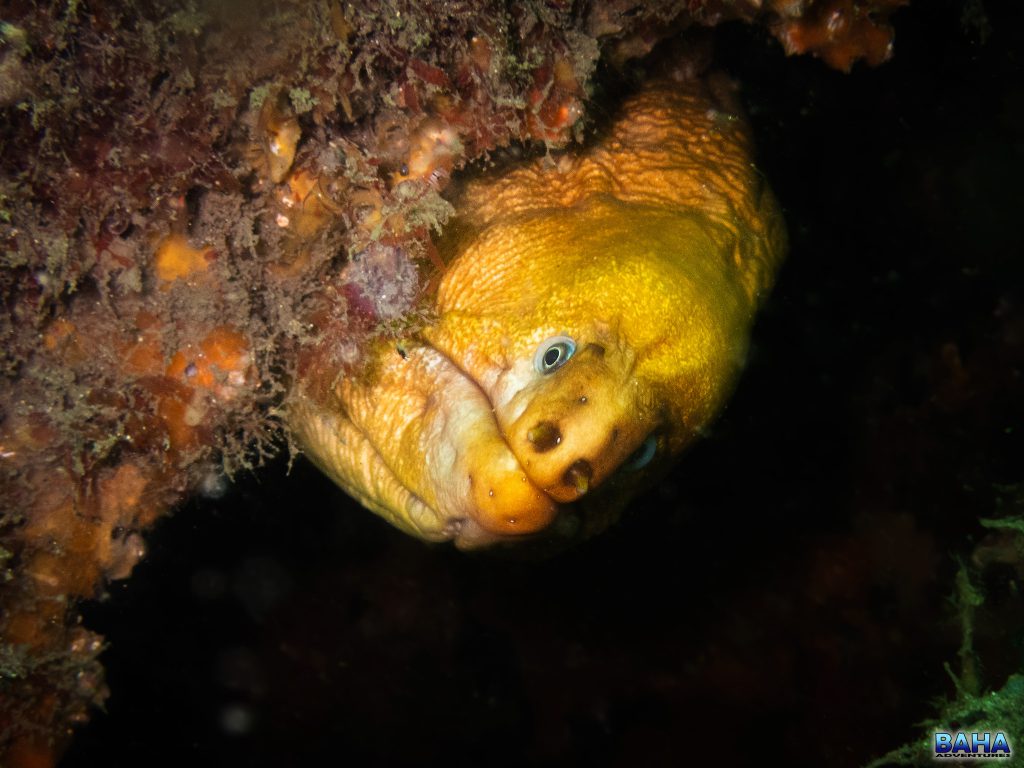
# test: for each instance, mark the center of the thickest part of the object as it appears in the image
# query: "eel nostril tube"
(578, 476)
(544, 436)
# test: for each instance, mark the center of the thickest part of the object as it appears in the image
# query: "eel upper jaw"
(573, 429)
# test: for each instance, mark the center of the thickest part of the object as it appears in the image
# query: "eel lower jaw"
(468, 534)
(504, 502)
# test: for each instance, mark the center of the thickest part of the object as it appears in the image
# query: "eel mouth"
(567, 437)
(497, 498)
(422, 443)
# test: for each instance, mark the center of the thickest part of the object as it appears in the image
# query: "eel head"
(592, 321)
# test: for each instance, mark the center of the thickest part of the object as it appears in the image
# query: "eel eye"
(553, 353)
(642, 456)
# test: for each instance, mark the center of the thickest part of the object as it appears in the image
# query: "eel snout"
(580, 425)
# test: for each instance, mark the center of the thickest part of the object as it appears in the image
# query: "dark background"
(785, 593)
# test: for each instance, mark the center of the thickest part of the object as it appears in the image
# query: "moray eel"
(594, 317)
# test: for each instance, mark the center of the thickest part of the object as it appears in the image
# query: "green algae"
(972, 709)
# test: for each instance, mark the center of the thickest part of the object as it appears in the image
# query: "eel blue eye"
(642, 456)
(553, 353)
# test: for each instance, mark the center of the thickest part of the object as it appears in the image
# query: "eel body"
(593, 319)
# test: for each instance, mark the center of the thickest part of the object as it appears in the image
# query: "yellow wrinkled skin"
(651, 250)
